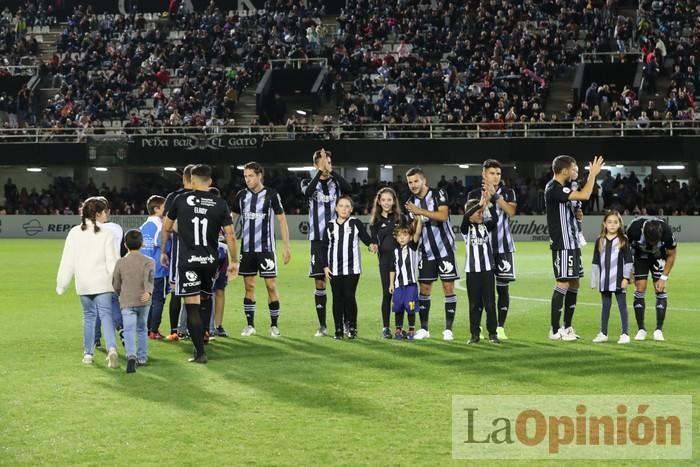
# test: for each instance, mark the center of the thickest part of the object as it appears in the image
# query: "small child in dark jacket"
(133, 281)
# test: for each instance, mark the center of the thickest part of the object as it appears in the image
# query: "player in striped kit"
(437, 250)
(478, 223)
(344, 265)
(503, 199)
(655, 250)
(402, 276)
(611, 273)
(322, 190)
(564, 240)
(257, 206)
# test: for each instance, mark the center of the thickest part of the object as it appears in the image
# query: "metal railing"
(297, 63)
(372, 131)
(19, 70)
(612, 57)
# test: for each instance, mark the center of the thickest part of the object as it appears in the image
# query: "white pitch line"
(458, 284)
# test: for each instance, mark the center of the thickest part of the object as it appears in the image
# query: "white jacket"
(90, 257)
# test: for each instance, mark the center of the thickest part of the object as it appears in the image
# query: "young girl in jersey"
(479, 266)
(386, 216)
(612, 270)
(402, 276)
(343, 270)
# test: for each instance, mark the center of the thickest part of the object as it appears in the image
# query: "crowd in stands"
(654, 194)
(16, 46)
(412, 61)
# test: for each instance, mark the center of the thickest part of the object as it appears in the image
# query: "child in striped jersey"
(481, 283)
(343, 270)
(402, 276)
(612, 270)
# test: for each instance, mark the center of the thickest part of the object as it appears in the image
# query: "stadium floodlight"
(33, 169)
(388, 166)
(363, 169)
(463, 166)
(307, 168)
(170, 169)
(301, 112)
(101, 169)
(620, 166)
(240, 167)
(671, 167)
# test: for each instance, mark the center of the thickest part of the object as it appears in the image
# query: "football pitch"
(300, 400)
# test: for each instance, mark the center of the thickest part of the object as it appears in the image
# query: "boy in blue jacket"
(151, 248)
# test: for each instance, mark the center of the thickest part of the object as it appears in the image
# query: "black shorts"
(319, 258)
(444, 268)
(644, 264)
(195, 280)
(505, 266)
(253, 263)
(567, 264)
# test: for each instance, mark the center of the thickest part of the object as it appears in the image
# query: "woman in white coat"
(89, 255)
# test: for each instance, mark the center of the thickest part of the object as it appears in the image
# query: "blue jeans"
(116, 318)
(135, 327)
(155, 315)
(95, 306)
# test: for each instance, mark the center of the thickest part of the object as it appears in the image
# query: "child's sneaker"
(624, 339)
(481, 333)
(172, 337)
(641, 335)
(501, 333)
(422, 334)
(275, 331)
(386, 333)
(87, 359)
(352, 333)
(131, 364)
(447, 335)
(112, 358)
(248, 331)
(474, 340)
(321, 332)
(198, 358)
(339, 334)
(600, 338)
(221, 332)
(411, 335)
(493, 339)
(398, 335)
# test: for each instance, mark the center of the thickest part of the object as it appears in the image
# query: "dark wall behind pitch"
(412, 151)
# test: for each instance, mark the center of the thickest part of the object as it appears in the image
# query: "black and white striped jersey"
(612, 264)
(477, 237)
(502, 239)
(405, 264)
(639, 244)
(437, 239)
(322, 195)
(561, 222)
(344, 246)
(257, 218)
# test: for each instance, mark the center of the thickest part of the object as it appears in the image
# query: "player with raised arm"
(564, 239)
(322, 191)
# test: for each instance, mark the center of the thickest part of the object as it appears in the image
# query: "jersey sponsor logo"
(267, 265)
(446, 267)
(250, 216)
(660, 264)
(566, 190)
(321, 198)
(504, 266)
(191, 276)
(201, 259)
(313, 259)
(192, 200)
(441, 196)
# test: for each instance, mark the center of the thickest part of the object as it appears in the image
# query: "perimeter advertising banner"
(524, 228)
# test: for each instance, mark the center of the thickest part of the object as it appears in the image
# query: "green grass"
(302, 400)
